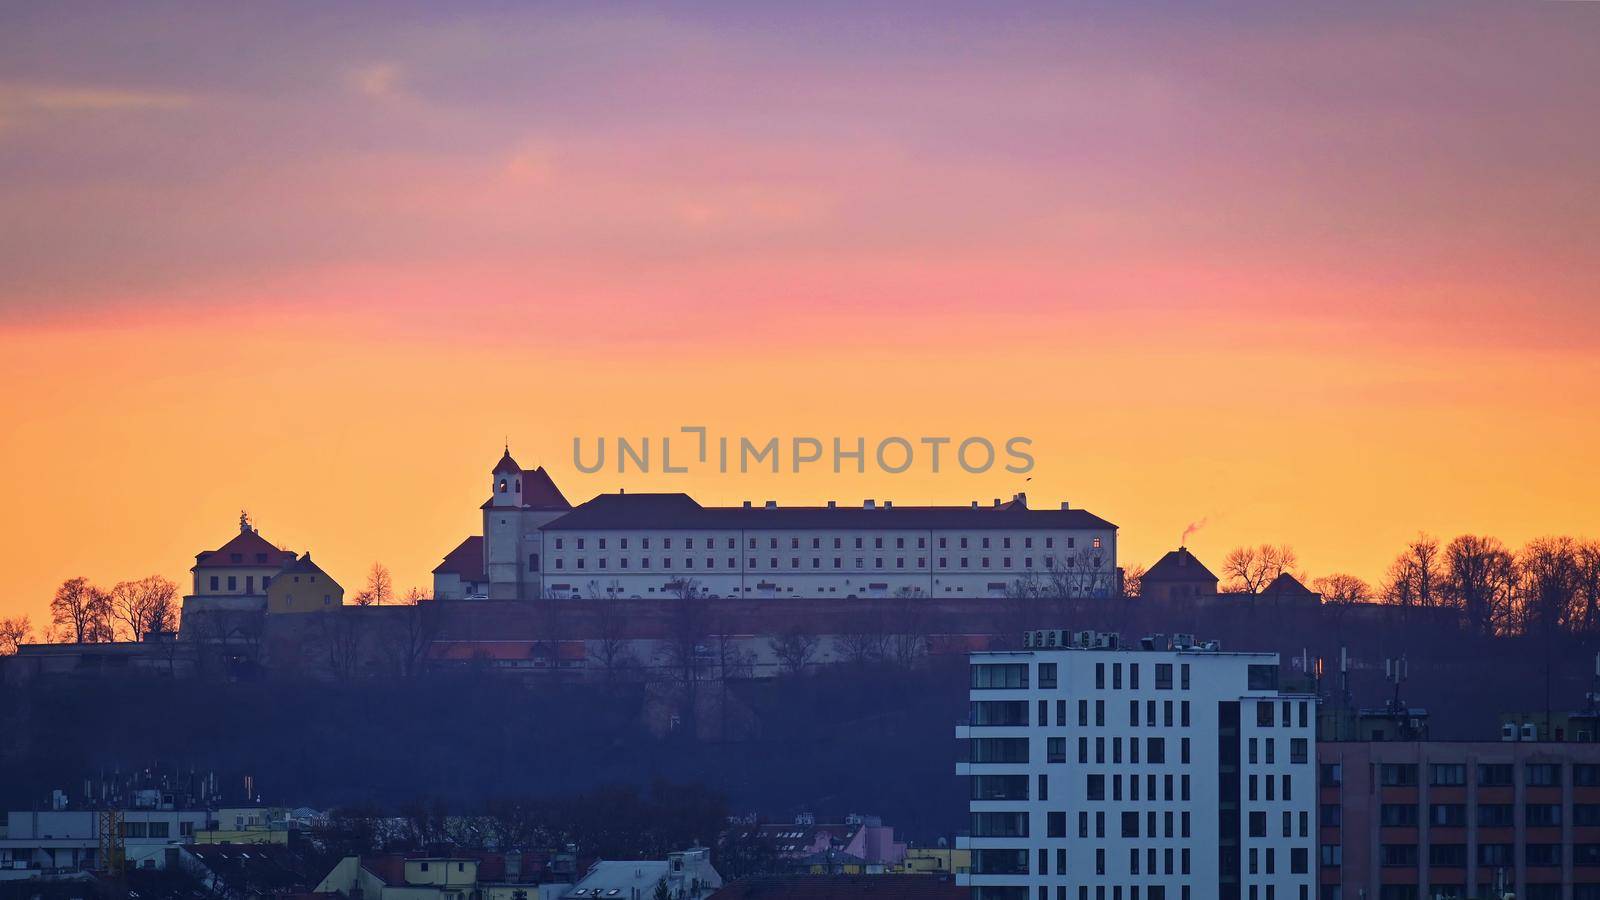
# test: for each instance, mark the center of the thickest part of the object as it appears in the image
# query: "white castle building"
(1174, 772)
(536, 544)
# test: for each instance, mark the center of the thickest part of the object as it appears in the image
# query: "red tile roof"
(466, 560)
(252, 551)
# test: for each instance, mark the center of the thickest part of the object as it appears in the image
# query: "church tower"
(506, 482)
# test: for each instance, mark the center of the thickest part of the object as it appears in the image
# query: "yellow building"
(936, 860)
(246, 825)
(301, 587)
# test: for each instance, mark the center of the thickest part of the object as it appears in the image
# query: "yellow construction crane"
(113, 852)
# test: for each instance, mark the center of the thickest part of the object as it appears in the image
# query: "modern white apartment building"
(535, 544)
(1167, 772)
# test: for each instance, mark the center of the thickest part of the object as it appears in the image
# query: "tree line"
(84, 612)
(1550, 585)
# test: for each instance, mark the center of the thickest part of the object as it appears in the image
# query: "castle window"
(502, 488)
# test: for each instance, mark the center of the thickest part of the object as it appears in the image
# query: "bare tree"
(865, 645)
(82, 611)
(145, 607)
(1478, 579)
(611, 650)
(341, 636)
(411, 632)
(1249, 570)
(796, 648)
(379, 589)
(908, 637)
(13, 634)
(1341, 590)
(686, 657)
(1548, 584)
(1413, 578)
(1587, 614)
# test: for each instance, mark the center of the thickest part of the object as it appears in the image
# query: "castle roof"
(506, 464)
(248, 549)
(680, 511)
(466, 560)
(1288, 587)
(1178, 565)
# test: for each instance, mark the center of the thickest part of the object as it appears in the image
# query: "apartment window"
(1100, 676)
(1494, 854)
(1047, 676)
(1298, 750)
(999, 676)
(1494, 815)
(999, 750)
(1403, 855)
(1586, 815)
(1262, 678)
(1263, 712)
(1542, 854)
(1183, 672)
(1056, 751)
(1095, 786)
(1398, 815)
(1397, 774)
(1057, 824)
(1130, 825)
(1585, 775)
(1156, 750)
(1542, 815)
(1447, 856)
(1447, 815)
(1330, 815)
(1332, 856)
(1299, 862)
(1000, 824)
(1133, 676)
(1163, 676)
(1544, 774)
(1494, 774)
(1258, 824)
(1116, 676)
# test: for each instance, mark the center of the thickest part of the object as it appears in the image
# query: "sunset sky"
(1320, 274)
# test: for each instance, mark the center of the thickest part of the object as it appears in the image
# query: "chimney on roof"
(867, 504)
(974, 504)
(1020, 499)
(997, 503)
(1065, 505)
(833, 504)
(772, 504)
(888, 504)
(747, 504)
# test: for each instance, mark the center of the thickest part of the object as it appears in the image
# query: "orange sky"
(1320, 275)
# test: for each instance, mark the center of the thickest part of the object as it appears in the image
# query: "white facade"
(824, 562)
(1101, 774)
(38, 843)
(537, 545)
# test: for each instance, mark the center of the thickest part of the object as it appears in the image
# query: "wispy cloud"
(380, 80)
(16, 99)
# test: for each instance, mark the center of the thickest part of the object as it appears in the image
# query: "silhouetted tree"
(82, 612)
(1250, 569)
(14, 633)
(145, 607)
(1548, 584)
(379, 589)
(796, 648)
(610, 649)
(1478, 579)
(1413, 578)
